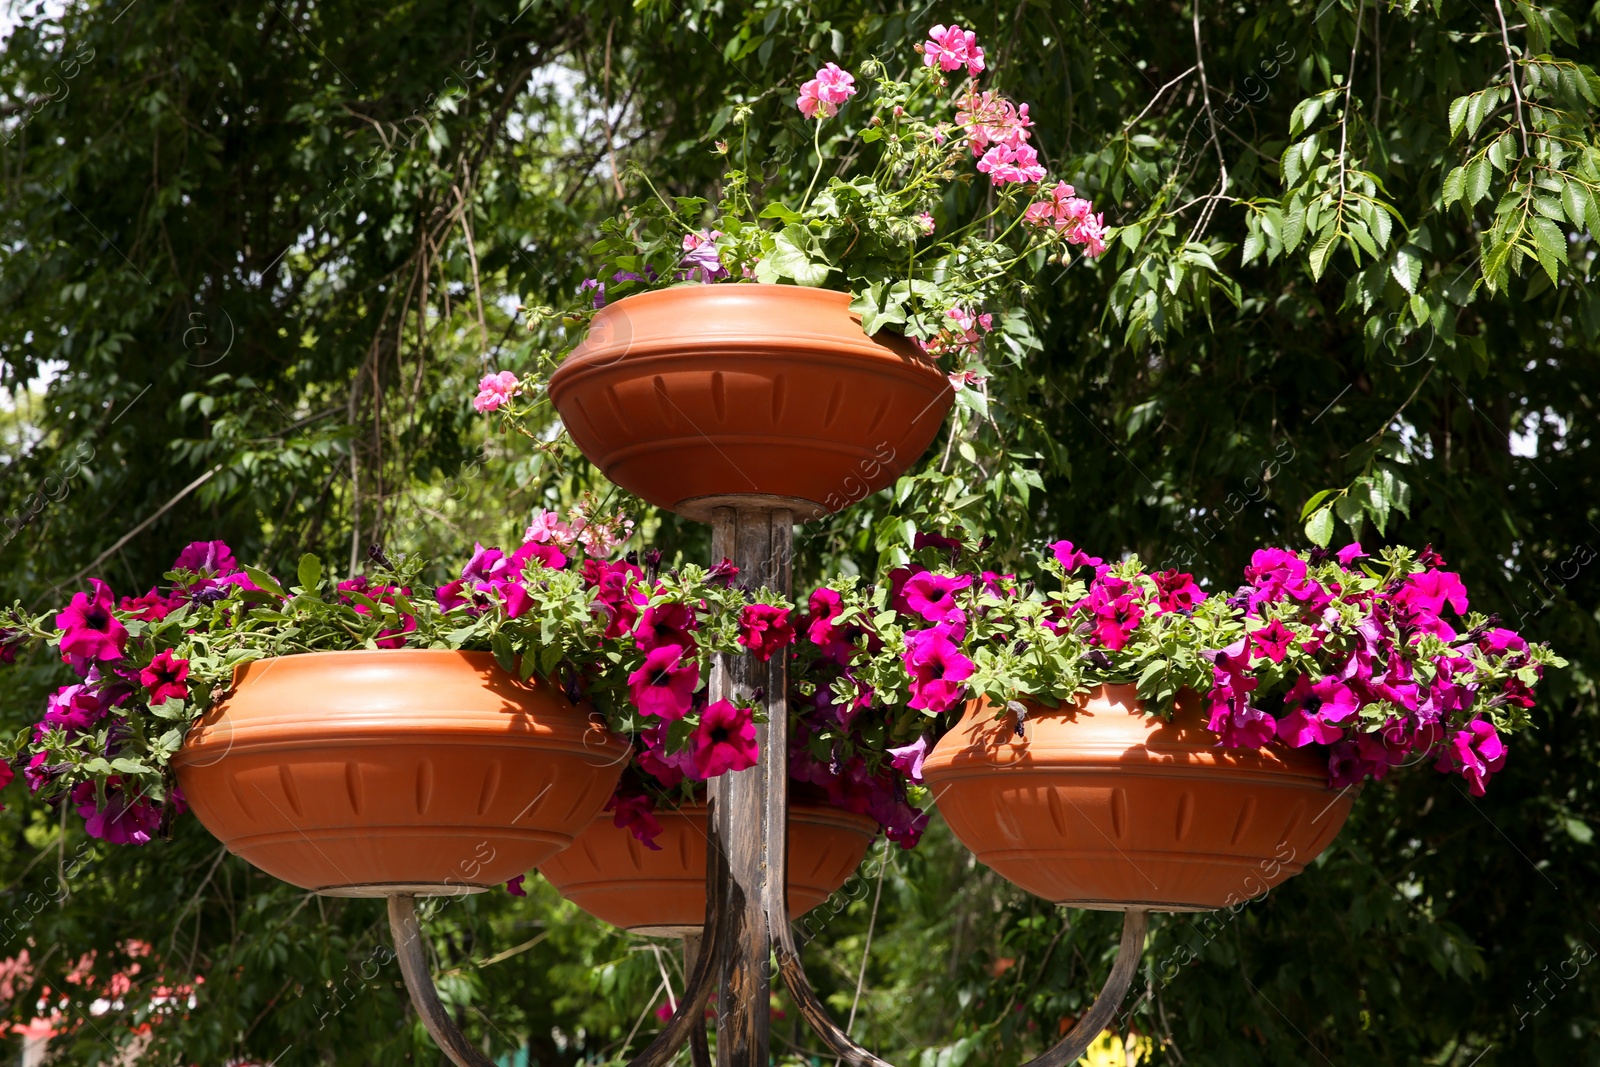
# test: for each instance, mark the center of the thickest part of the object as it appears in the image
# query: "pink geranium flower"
(90, 631)
(1006, 165)
(495, 391)
(950, 48)
(166, 677)
(765, 630)
(990, 119)
(725, 740)
(823, 94)
(664, 684)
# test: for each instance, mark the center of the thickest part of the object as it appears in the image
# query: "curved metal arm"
(1063, 1054)
(685, 1023)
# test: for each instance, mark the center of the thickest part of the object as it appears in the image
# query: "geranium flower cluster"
(877, 225)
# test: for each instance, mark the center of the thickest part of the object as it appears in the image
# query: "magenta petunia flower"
(939, 670)
(152, 607)
(539, 553)
(212, 558)
(634, 814)
(908, 759)
(667, 768)
(1476, 752)
(1499, 642)
(90, 630)
(120, 821)
(666, 624)
(951, 48)
(495, 391)
(166, 677)
(1177, 591)
(1071, 559)
(616, 593)
(765, 630)
(1350, 553)
(1235, 721)
(1273, 640)
(664, 685)
(75, 708)
(514, 886)
(1115, 617)
(725, 740)
(933, 596)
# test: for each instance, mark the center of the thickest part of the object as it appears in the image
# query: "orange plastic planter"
(1102, 806)
(688, 396)
(610, 875)
(371, 772)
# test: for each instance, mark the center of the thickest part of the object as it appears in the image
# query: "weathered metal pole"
(751, 804)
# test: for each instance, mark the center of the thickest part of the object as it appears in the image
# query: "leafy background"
(254, 257)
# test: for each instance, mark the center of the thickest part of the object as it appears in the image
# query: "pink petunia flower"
(1115, 617)
(664, 684)
(725, 740)
(950, 48)
(1177, 591)
(91, 631)
(495, 391)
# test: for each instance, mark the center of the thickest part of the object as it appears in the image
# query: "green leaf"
(777, 210)
(1478, 174)
(310, 572)
(1407, 267)
(1575, 199)
(264, 581)
(1319, 529)
(1458, 114)
(1315, 501)
(1455, 184)
(500, 645)
(792, 259)
(1349, 509)
(1321, 251)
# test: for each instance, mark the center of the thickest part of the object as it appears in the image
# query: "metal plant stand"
(747, 939)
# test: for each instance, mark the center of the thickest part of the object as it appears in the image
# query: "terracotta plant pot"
(691, 395)
(371, 772)
(1102, 806)
(613, 877)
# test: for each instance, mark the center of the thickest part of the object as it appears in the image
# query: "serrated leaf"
(1458, 114)
(1478, 175)
(1407, 267)
(1575, 200)
(1319, 528)
(1455, 184)
(1321, 251)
